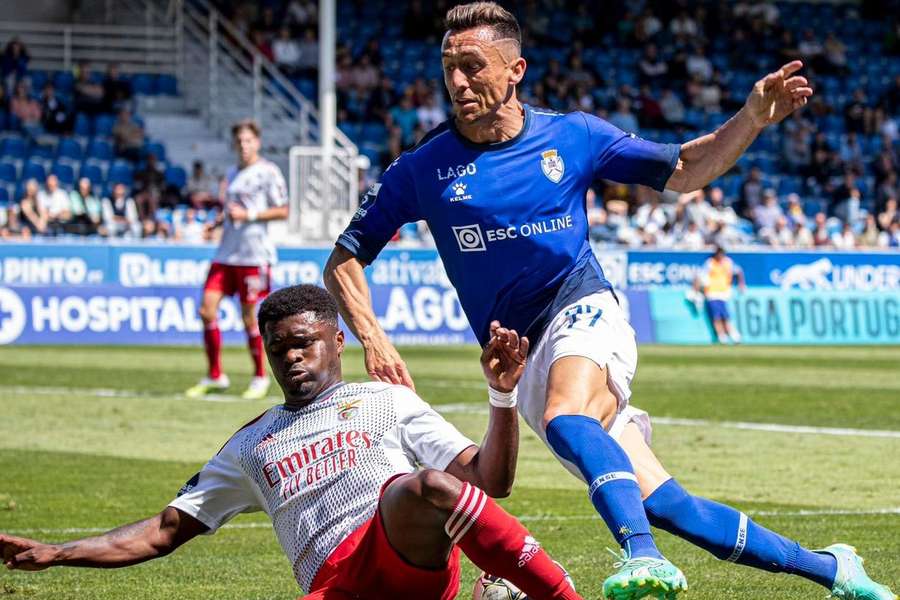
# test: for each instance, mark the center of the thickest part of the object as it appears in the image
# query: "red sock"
(496, 542)
(255, 343)
(212, 342)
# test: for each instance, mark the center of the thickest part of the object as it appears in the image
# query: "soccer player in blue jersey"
(502, 187)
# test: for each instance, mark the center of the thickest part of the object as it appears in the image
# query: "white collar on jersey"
(324, 394)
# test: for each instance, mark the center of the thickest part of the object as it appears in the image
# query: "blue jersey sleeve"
(626, 158)
(387, 206)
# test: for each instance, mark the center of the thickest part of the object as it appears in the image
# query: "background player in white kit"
(255, 193)
(335, 468)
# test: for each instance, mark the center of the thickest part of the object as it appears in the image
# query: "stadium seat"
(100, 148)
(82, 125)
(4, 196)
(38, 80)
(156, 149)
(14, 147)
(33, 170)
(121, 172)
(103, 125)
(42, 152)
(65, 173)
(374, 132)
(143, 85)
(93, 171)
(69, 148)
(371, 151)
(8, 173)
(167, 85)
(64, 81)
(176, 177)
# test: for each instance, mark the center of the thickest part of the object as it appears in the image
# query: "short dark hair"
(248, 124)
(296, 300)
(484, 14)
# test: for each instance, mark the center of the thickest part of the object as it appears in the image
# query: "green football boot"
(644, 578)
(208, 386)
(851, 581)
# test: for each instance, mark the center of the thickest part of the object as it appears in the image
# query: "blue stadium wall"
(121, 294)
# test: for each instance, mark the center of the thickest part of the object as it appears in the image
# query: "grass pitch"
(94, 437)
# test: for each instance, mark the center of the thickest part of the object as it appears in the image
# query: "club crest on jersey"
(552, 165)
(347, 409)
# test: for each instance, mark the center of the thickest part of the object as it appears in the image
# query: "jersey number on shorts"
(582, 311)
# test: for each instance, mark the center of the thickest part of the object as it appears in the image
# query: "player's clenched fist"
(503, 358)
(24, 554)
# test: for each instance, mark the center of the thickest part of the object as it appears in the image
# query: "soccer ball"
(490, 587)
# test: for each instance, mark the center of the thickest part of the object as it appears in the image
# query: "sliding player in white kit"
(255, 194)
(336, 468)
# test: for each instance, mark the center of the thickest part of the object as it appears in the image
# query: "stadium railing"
(136, 49)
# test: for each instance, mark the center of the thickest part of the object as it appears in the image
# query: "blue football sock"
(614, 491)
(731, 535)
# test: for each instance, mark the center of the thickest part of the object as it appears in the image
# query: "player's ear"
(339, 341)
(517, 70)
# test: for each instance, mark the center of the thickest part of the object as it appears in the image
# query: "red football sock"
(255, 344)
(496, 542)
(212, 342)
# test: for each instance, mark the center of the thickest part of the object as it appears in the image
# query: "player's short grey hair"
(490, 15)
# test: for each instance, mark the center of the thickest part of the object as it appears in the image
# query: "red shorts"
(252, 284)
(365, 566)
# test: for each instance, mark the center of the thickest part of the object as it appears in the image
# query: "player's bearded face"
(305, 355)
(480, 73)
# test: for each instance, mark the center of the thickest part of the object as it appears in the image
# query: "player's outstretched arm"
(346, 281)
(773, 98)
(492, 467)
(127, 545)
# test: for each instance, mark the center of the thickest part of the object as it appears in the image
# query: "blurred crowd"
(665, 71)
(826, 177)
(47, 209)
(76, 160)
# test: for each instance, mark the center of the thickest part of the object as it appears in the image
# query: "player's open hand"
(503, 359)
(778, 94)
(383, 363)
(24, 554)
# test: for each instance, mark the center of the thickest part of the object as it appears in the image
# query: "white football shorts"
(594, 327)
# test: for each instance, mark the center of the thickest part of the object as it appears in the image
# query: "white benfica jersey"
(257, 188)
(318, 471)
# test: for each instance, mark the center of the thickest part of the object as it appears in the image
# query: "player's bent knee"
(601, 406)
(425, 496)
(439, 489)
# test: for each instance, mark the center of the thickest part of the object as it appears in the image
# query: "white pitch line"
(526, 518)
(117, 393)
(470, 408)
(777, 428)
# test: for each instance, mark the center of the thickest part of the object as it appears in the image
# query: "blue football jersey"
(509, 218)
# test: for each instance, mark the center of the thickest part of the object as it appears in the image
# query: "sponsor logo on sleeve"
(189, 485)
